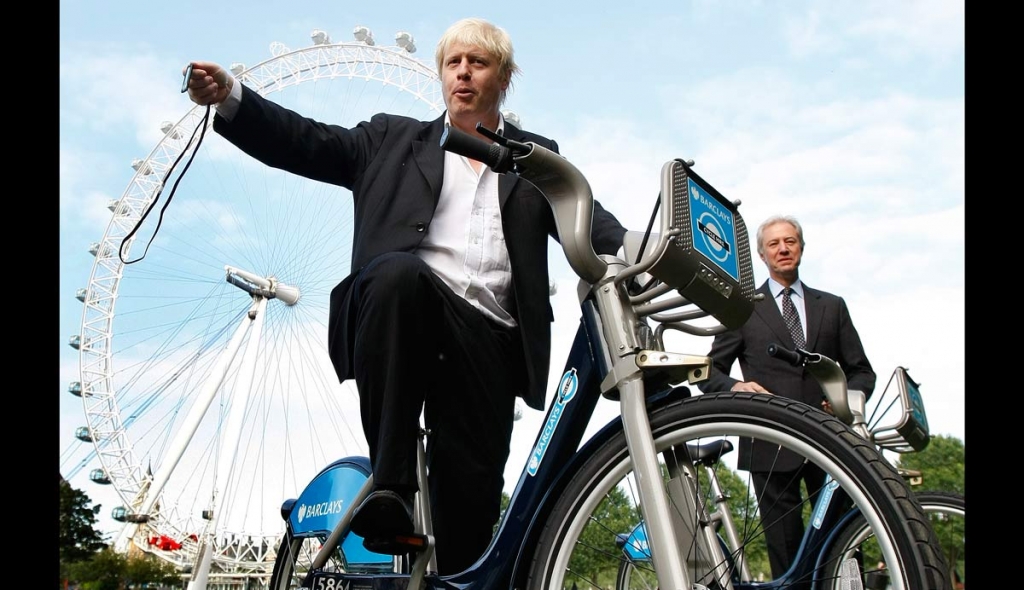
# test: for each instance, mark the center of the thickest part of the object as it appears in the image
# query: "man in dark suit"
(446, 310)
(819, 322)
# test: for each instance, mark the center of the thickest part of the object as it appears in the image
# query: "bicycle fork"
(677, 523)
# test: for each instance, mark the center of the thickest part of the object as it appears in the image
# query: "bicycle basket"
(909, 430)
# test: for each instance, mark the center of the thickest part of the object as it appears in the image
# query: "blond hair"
(489, 37)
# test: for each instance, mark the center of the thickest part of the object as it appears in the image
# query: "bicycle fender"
(324, 501)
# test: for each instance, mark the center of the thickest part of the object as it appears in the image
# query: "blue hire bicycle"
(563, 526)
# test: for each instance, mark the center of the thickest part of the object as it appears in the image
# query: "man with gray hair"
(795, 316)
(446, 310)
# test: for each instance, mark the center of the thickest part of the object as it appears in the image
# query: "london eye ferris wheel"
(204, 377)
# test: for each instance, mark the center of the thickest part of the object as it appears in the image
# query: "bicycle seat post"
(422, 517)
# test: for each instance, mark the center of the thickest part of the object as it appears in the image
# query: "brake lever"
(515, 146)
(491, 135)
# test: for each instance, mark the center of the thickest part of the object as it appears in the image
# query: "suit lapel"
(506, 182)
(430, 159)
(769, 312)
(429, 156)
(814, 311)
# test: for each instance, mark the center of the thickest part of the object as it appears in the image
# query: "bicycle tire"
(291, 564)
(872, 483)
(946, 513)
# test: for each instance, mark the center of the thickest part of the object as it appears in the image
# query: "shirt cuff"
(229, 106)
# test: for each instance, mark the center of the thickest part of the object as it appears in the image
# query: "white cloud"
(82, 205)
(113, 93)
(899, 31)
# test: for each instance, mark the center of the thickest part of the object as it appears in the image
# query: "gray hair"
(778, 219)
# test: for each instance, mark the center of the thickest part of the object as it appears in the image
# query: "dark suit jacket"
(394, 165)
(830, 332)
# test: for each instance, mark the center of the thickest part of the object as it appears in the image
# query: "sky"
(848, 115)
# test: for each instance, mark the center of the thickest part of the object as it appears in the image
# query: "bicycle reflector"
(708, 262)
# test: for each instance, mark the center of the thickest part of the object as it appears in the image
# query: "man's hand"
(751, 386)
(209, 84)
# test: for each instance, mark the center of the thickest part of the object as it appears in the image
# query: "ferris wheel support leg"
(229, 448)
(195, 416)
(201, 571)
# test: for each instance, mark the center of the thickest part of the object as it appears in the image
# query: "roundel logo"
(710, 231)
(712, 235)
(302, 512)
(568, 386)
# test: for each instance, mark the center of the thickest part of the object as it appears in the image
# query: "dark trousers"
(418, 346)
(780, 503)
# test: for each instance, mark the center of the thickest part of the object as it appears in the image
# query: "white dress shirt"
(465, 244)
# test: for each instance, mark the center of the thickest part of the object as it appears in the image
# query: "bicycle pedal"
(398, 544)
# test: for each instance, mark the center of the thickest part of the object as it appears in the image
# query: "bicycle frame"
(553, 460)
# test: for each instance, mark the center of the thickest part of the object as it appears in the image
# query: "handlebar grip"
(784, 354)
(496, 157)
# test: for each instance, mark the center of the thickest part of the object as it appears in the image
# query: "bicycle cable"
(638, 288)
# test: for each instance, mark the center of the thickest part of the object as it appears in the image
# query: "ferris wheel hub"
(268, 287)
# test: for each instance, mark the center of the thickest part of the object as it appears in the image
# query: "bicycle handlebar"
(496, 156)
(847, 404)
(792, 357)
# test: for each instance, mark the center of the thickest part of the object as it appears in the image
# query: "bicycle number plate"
(336, 581)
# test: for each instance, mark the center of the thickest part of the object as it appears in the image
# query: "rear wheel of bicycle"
(945, 512)
(294, 556)
(577, 547)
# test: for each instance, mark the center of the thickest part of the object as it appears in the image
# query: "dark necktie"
(792, 318)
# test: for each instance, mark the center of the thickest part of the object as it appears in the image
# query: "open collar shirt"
(465, 243)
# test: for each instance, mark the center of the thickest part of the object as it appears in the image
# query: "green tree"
(78, 538)
(941, 464)
(110, 570)
(505, 500)
(143, 570)
(614, 515)
(103, 571)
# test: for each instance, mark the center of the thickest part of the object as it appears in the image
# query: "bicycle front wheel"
(582, 543)
(946, 514)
